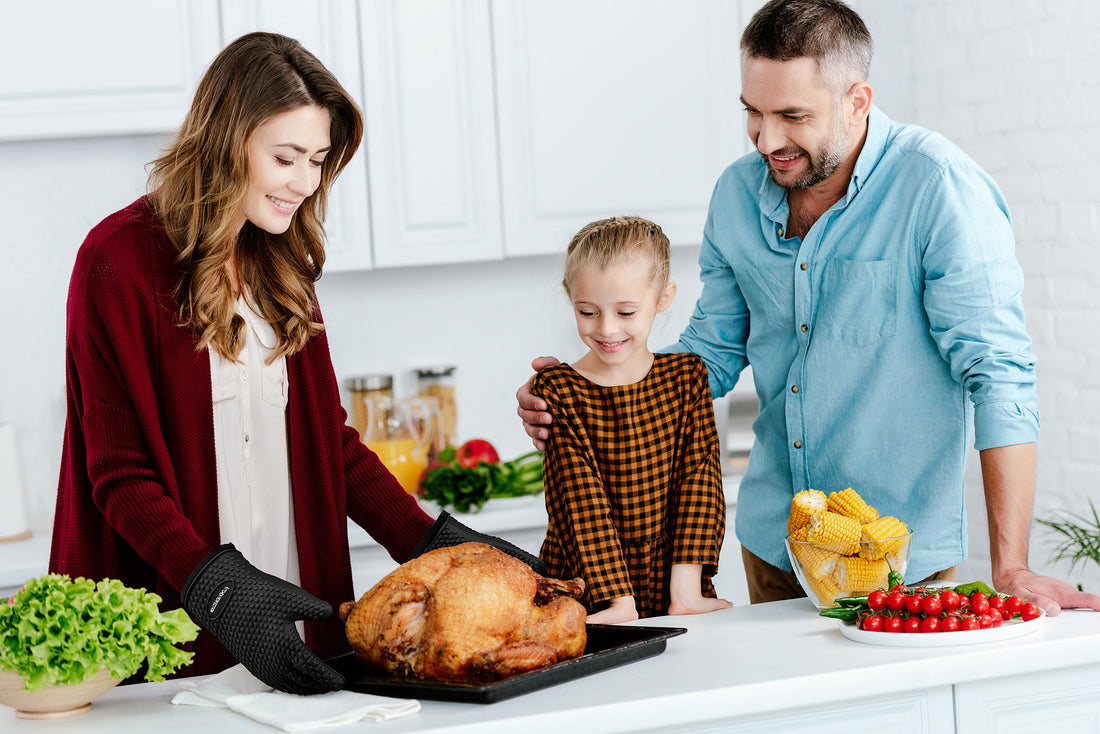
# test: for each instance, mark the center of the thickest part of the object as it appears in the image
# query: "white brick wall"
(1016, 83)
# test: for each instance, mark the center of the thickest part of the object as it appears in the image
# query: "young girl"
(633, 486)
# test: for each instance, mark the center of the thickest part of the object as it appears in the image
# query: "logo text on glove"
(223, 594)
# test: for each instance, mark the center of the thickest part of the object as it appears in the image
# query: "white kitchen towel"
(240, 691)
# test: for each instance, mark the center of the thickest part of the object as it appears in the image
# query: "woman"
(204, 424)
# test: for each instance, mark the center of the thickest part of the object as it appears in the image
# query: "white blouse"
(255, 507)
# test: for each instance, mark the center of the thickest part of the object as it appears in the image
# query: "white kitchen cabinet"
(329, 30)
(610, 107)
(75, 68)
(1066, 699)
(431, 131)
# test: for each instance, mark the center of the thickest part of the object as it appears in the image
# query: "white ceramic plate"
(1007, 631)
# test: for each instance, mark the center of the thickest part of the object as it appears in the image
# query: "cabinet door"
(328, 29)
(75, 68)
(1066, 699)
(611, 107)
(431, 136)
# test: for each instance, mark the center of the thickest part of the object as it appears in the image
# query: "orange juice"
(405, 458)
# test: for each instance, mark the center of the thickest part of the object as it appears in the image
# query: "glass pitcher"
(401, 433)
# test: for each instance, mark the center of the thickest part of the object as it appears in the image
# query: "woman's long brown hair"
(198, 187)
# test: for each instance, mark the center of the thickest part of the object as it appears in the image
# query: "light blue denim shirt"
(878, 344)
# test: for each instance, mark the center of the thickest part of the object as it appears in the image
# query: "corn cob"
(849, 503)
(825, 589)
(816, 561)
(857, 576)
(800, 534)
(885, 535)
(803, 506)
(835, 532)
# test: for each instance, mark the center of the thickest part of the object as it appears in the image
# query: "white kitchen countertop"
(751, 661)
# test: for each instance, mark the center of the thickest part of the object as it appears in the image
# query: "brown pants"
(768, 583)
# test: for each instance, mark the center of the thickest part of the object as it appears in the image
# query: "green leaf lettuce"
(58, 631)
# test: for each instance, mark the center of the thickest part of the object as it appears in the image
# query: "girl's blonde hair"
(607, 241)
(198, 188)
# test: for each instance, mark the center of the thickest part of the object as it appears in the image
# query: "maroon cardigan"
(137, 495)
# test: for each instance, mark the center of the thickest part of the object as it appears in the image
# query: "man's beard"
(821, 165)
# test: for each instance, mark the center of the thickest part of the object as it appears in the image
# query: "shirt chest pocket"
(858, 302)
(274, 386)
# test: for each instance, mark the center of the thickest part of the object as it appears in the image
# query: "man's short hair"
(828, 31)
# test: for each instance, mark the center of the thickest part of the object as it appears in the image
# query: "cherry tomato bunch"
(925, 610)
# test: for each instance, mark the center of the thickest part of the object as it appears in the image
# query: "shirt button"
(246, 437)
(780, 231)
(798, 444)
(244, 375)
(804, 266)
(804, 328)
(794, 388)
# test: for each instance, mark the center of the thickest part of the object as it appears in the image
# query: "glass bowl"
(827, 571)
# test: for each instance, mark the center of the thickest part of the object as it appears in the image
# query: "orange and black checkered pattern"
(633, 482)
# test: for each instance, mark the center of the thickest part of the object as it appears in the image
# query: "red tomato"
(964, 601)
(931, 605)
(930, 624)
(950, 599)
(995, 618)
(1006, 615)
(985, 621)
(912, 624)
(950, 623)
(913, 604)
(871, 623)
(899, 587)
(970, 622)
(892, 624)
(876, 600)
(1029, 611)
(474, 451)
(895, 601)
(979, 603)
(1013, 604)
(997, 602)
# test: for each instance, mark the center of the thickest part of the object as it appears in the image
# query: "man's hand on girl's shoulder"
(532, 409)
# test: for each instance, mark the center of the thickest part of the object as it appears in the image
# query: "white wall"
(1013, 81)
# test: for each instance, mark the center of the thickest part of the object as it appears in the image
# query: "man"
(865, 269)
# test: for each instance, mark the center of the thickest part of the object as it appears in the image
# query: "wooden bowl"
(54, 701)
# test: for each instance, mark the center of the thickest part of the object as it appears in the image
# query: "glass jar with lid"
(438, 382)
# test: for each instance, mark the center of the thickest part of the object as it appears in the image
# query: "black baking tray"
(608, 646)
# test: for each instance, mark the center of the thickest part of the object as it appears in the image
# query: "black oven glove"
(253, 614)
(447, 532)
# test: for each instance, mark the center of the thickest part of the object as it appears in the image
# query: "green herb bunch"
(1080, 537)
(58, 631)
(467, 489)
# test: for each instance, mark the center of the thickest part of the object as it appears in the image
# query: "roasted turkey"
(466, 613)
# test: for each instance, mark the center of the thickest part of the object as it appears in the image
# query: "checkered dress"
(633, 483)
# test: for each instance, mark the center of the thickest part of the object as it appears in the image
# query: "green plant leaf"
(1077, 537)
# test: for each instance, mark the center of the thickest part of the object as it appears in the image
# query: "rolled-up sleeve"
(973, 286)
